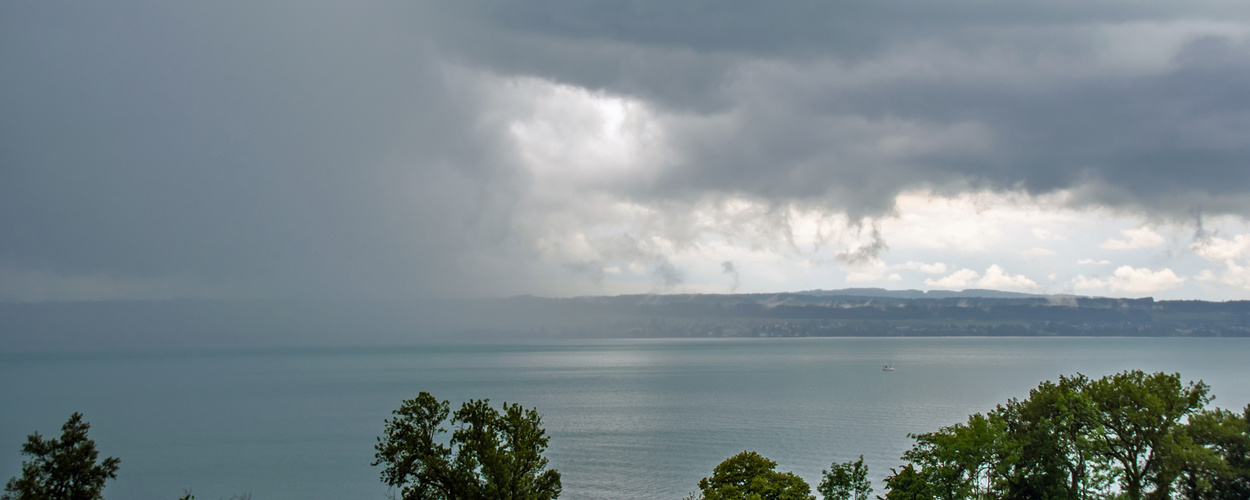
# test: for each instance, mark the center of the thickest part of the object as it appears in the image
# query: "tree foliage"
(845, 481)
(1223, 473)
(1141, 417)
(1050, 448)
(750, 476)
(959, 460)
(62, 469)
(908, 484)
(1146, 434)
(491, 454)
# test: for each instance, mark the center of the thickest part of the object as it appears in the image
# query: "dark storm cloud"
(305, 148)
(681, 52)
(1170, 140)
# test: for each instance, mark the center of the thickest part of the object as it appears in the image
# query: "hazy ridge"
(851, 312)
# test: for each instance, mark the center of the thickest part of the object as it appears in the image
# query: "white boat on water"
(887, 368)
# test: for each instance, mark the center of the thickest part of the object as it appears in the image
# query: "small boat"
(887, 368)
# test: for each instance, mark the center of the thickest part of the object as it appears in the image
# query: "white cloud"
(958, 279)
(972, 222)
(572, 137)
(1046, 235)
(1038, 252)
(872, 270)
(1131, 280)
(1234, 275)
(1142, 237)
(861, 277)
(1226, 252)
(934, 268)
(996, 278)
(1219, 249)
(1087, 262)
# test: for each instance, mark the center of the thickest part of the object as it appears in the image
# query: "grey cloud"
(324, 153)
(1201, 235)
(1161, 143)
(310, 148)
(1119, 139)
(802, 27)
(623, 250)
(679, 53)
(727, 267)
(864, 254)
(592, 271)
(666, 274)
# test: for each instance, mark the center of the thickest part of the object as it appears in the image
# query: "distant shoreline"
(207, 323)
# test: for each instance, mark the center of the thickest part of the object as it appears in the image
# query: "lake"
(627, 418)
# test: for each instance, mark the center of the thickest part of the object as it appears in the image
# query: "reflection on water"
(628, 418)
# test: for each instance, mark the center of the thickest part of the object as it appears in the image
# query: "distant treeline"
(862, 312)
(815, 315)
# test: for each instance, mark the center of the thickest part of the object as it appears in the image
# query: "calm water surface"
(627, 418)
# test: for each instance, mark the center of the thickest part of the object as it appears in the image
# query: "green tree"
(1074, 439)
(490, 455)
(908, 484)
(749, 476)
(1141, 417)
(960, 461)
(1220, 469)
(62, 469)
(846, 481)
(1049, 450)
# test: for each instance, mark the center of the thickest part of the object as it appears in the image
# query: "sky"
(307, 149)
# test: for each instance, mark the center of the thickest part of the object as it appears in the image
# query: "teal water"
(627, 418)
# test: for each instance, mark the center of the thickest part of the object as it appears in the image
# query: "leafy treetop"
(749, 476)
(490, 455)
(62, 469)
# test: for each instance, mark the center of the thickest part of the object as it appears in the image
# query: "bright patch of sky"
(574, 142)
(999, 250)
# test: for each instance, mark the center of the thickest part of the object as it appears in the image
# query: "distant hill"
(918, 294)
(197, 324)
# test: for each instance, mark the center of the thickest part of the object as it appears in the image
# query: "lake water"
(627, 418)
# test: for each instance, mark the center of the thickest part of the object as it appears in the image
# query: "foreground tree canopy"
(749, 476)
(846, 481)
(62, 469)
(1128, 436)
(491, 454)
(1131, 435)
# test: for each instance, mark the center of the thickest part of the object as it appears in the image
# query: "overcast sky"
(471, 148)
